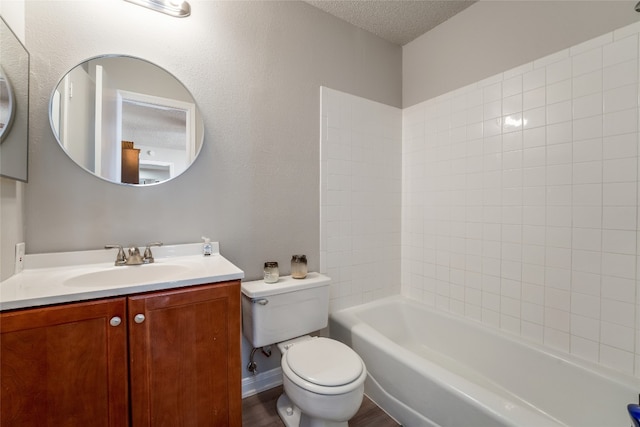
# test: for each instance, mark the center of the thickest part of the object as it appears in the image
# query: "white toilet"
(323, 379)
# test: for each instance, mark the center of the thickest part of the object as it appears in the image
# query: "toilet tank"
(276, 312)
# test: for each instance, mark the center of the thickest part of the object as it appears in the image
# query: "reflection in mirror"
(7, 105)
(126, 120)
(14, 105)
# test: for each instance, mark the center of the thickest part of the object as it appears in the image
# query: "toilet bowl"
(323, 383)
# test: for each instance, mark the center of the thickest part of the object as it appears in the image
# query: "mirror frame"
(14, 146)
(194, 126)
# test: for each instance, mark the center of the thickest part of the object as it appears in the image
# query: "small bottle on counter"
(207, 248)
(299, 266)
(271, 272)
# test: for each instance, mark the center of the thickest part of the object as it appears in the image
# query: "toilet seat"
(323, 366)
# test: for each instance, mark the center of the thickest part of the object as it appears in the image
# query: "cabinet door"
(185, 357)
(64, 366)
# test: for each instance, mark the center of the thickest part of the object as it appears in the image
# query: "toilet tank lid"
(260, 289)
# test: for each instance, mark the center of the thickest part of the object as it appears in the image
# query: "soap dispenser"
(207, 248)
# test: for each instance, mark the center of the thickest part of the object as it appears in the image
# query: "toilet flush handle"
(261, 301)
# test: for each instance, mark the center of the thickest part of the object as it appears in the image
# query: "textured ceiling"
(398, 21)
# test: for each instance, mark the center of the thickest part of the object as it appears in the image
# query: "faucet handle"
(121, 258)
(148, 256)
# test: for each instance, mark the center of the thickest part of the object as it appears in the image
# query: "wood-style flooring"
(260, 411)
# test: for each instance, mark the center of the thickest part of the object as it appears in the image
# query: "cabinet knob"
(115, 321)
(139, 318)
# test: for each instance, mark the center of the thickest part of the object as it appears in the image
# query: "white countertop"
(67, 277)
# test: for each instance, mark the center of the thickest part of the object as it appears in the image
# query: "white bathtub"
(427, 368)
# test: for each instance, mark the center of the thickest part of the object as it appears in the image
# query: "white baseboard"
(261, 382)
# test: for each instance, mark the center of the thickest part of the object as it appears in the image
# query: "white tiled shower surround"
(519, 200)
(360, 196)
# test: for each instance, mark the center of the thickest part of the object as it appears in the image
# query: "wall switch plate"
(19, 258)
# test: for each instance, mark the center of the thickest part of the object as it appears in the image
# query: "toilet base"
(288, 412)
(291, 416)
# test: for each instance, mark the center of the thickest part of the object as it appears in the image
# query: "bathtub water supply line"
(253, 366)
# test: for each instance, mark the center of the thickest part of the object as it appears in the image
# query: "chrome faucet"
(134, 257)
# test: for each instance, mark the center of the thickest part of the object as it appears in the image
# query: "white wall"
(360, 194)
(521, 196)
(255, 69)
(12, 227)
(492, 36)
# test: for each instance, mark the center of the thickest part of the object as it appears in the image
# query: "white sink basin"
(127, 275)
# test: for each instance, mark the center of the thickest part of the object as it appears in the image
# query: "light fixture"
(178, 8)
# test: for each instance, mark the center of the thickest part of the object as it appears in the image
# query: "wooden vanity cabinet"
(173, 360)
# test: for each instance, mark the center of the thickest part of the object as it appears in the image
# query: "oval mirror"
(7, 105)
(126, 120)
